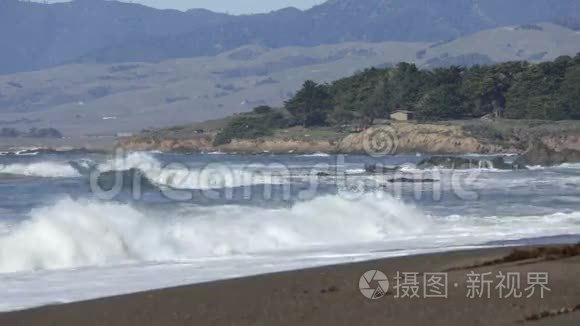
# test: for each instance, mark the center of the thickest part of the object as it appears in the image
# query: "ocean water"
(205, 217)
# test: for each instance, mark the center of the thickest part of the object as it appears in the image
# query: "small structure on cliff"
(403, 115)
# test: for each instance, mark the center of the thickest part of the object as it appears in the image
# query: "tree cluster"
(517, 90)
(513, 90)
(259, 123)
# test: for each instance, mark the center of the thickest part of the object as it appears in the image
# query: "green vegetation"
(311, 105)
(517, 90)
(513, 90)
(261, 122)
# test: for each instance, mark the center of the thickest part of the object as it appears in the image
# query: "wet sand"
(331, 296)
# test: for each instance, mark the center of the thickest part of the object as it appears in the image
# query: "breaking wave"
(22, 152)
(180, 176)
(80, 233)
(569, 166)
(561, 166)
(317, 155)
(87, 233)
(40, 169)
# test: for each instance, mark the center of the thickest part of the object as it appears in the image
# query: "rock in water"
(380, 169)
(411, 180)
(127, 180)
(540, 154)
(462, 163)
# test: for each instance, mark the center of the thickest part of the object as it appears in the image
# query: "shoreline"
(331, 295)
(463, 137)
(435, 138)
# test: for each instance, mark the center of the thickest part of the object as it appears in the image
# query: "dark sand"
(331, 296)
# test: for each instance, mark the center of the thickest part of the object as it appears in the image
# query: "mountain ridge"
(86, 31)
(77, 98)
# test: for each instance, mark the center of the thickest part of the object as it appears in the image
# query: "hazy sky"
(231, 6)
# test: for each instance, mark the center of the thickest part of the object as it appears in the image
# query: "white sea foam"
(124, 249)
(86, 233)
(316, 155)
(355, 171)
(92, 233)
(40, 169)
(561, 166)
(33, 151)
(570, 166)
(412, 168)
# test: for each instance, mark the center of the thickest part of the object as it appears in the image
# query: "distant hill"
(36, 36)
(80, 99)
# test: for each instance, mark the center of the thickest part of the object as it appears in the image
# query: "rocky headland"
(539, 142)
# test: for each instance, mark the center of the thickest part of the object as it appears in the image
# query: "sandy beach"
(331, 295)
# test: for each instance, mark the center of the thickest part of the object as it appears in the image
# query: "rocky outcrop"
(195, 144)
(278, 146)
(132, 179)
(539, 153)
(420, 138)
(396, 138)
(383, 140)
(461, 163)
(380, 169)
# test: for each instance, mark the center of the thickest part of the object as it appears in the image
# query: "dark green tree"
(263, 109)
(570, 94)
(407, 83)
(311, 105)
(533, 94)
(377, 103)
(443, 102)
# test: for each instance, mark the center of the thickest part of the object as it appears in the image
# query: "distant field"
(103, 100)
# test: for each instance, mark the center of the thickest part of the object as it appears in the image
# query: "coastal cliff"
(474, 136)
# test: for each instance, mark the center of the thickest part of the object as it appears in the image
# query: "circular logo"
(379, 142)
(374, 284)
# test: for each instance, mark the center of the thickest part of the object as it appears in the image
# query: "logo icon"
(380, 142)
(374, 284)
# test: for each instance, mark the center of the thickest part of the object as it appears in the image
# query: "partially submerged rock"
(132, 179)
(411, 180)
(540, 154)
(380, 169)
(462, 163)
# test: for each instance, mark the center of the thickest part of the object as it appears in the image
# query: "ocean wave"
(491, 155)
(22, 152)
(91, 233)
(81, 233)
(179, 176)
(355, 171)
(561, 166)
(40, 169)
(412, 168)
(569, 166)
(317, 155)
